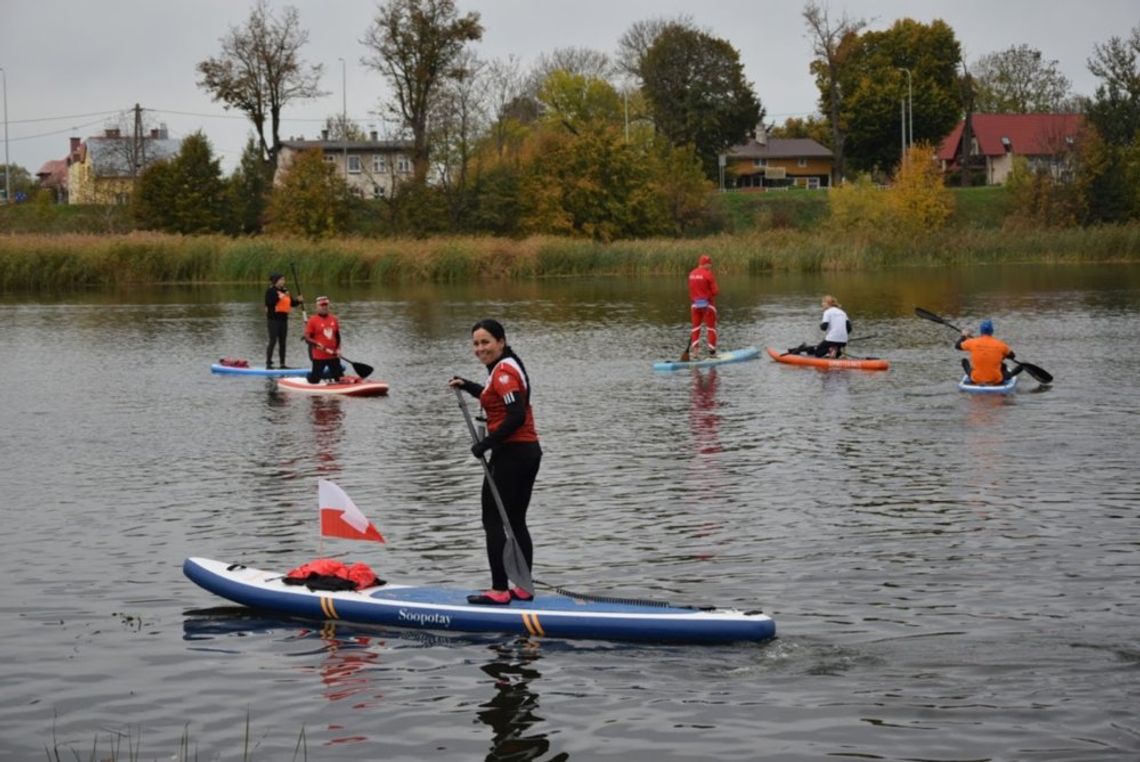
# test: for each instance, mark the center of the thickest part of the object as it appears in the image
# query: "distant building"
(53, 177)
(764, 163)
(103, 170)
(372, 168)
(1045, 140)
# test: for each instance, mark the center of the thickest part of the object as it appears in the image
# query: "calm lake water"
(952, 577)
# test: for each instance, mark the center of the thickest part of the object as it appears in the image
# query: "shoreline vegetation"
(33, 261)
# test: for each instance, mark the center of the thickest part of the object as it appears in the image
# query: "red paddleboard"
(351, 388)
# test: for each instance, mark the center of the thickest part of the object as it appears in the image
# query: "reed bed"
(29, 261)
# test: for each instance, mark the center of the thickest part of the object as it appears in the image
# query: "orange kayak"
(823, 362)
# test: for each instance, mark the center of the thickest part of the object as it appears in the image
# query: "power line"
(60, 118)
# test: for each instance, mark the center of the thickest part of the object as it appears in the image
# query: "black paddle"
(363, 369)
(685, 354)
(304, 313)
(513, 559)
(1039, 374)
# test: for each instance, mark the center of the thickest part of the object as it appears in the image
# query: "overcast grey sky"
(72, 66)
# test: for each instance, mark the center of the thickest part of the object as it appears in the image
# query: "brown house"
(765, 163)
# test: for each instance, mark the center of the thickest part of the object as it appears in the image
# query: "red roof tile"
(1028, 134)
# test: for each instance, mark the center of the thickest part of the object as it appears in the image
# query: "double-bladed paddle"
(1039, 374)
(514, 562)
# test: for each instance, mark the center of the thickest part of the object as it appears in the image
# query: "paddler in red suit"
(702, 297)
(322, 334)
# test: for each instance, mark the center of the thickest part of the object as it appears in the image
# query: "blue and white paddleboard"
(231, 370)
(441, 608)
(966, 385)
(736, 355)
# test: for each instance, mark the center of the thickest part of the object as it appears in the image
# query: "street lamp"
(7, 163)
(344, 116)
(910, 108)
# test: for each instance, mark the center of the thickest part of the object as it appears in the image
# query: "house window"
(354, 165)
(330, 159)
(403, 165)
(801, 162)
(813, 183)
(377, 191)
(759, 162)
(379, 164)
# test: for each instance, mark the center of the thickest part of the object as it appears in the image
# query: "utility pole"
(7, 162)
(138, 152)
(344, 116)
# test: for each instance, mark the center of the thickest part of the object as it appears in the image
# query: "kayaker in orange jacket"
(986, 364)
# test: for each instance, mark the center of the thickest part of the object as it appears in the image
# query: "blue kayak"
(439, 608)
(966, 385)
(722, 358)
(231, 370)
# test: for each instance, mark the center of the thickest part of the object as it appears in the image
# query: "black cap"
(274, 276)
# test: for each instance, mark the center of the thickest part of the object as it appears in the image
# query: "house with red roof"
(1045, 140)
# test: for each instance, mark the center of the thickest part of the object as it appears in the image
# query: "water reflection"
(704, 418)
(327, 415)
(511, 712)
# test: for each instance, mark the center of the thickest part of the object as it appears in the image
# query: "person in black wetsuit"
(515, 453)
(278, 303)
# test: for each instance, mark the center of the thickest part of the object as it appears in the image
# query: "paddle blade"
(685, 356)
(1040, 375)
(364, 370)
(515, 565)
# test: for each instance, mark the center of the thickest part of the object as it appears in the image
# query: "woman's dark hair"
(495, 328)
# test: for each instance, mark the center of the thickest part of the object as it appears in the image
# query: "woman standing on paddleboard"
(515, 452)
(278, 303)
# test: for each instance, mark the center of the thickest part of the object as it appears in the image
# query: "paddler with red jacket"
(322, 334)
(278, 304)
(702, 298)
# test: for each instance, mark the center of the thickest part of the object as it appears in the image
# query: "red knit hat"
(704, 260)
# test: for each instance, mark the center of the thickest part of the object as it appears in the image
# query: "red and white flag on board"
(340, 517)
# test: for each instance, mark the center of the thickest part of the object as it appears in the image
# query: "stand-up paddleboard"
(966, 385)
(828, 363)
(722, 358)
(242, 370)
(360, 388)
(441, 608)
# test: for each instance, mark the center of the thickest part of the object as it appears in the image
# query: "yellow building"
(103, 170)
(765, 163)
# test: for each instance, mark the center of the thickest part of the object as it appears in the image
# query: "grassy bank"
(37, 261)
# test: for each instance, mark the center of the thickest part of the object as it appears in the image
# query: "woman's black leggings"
(277, 331)
(514, 468)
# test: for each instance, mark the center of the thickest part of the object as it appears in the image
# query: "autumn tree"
(1018, 80)
(697, 94)
(636, 41)
(184, 194)
(585, 62)
(874, 84)
(414, 45)
(831, 44)
(260, 71)
(918, 198)
(813, 127)
(312, 199)
(248, 191)
(1115, 108)
(458, 117)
